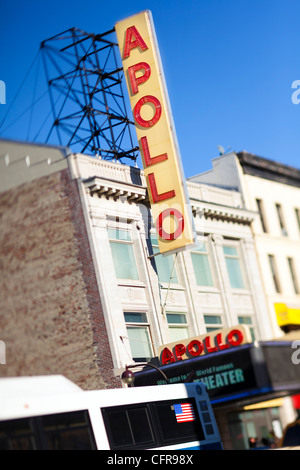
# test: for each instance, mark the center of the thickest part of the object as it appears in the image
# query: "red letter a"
(167, 357)
(133, 39)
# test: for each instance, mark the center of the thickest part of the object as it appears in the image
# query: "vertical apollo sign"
(155, 132)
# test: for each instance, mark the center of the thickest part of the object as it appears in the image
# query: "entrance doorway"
(254, 428)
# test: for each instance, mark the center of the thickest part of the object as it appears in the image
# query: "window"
(201, 267)
(274, 273)
(233, 267)
(68, 431)
(178, 327)
(64, 431)
(212, 322)
(123, 254)
(18, 435)
(138, 331)
(173, 430)
(155, 424)
(246, 320)
(261, 212)
(281, 220)
(164, 264)
(293, 275)
(129, 427)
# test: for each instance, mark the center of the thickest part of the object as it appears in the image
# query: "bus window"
(17, 434)
(64, 431)
(178, 421)
(153, 424)
(129, 427)
(68, 431)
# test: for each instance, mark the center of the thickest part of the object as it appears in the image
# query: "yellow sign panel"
(287, 315)
(155, 132)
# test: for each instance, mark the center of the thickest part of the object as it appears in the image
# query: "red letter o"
(159, 224)
(192, 345)
(138, 107)
(235, 337)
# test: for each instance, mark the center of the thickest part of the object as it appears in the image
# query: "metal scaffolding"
(85, 88)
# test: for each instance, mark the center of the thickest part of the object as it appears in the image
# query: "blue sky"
(229, 67)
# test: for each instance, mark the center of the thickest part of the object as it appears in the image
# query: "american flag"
(184, 412)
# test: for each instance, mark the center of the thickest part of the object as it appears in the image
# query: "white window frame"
(213, 326)
(179, 325)
(239, 257)
(251, 324)
(128, 242)
(142, 325)
(173, 270)
(207, 254)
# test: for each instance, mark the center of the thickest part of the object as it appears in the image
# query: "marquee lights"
(155, 131)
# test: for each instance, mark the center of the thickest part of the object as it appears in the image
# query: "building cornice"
(268, 169)
(116, 189)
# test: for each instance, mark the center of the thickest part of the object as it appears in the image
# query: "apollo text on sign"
(155, 132)
(219, 340)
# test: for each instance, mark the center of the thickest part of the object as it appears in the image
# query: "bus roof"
(37, 385)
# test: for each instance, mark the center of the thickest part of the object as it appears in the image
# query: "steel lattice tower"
(85, 89)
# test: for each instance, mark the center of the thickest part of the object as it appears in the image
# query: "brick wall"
(50, 312)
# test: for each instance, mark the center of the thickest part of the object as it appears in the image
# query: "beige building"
(215, 286)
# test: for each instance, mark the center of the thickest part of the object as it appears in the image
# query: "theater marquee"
(218, 340)
(155, 132)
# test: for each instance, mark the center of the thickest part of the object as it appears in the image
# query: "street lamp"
(128, 376)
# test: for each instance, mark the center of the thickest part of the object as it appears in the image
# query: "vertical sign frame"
(156, 133)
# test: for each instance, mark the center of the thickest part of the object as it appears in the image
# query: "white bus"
(52, 413)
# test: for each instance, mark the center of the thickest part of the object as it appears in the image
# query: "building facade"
(85, 291)
(150, 299)
(273, 191)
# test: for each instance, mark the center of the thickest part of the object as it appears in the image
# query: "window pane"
(274, 273)
(140, 343)
(178, 333)
(17, 435)
(293, 275)
(140, 425)
(172, 429)
(176, 318)
(124, 261)
(247, 321)
(213, 319)
(212, 322)
(119, 428)
(233, 267)
(164, 265)
(202, 269)
(235, 273)
(69, 431)
(281, 220)
(230, 250)
(129, 426)
(261, 214)
(133, 317)
(117, 234)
